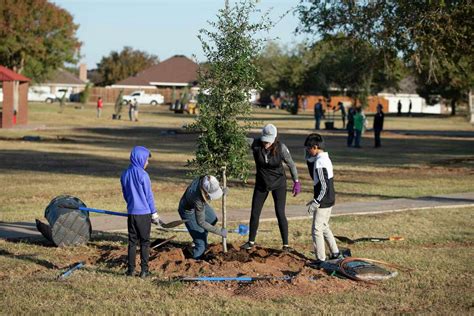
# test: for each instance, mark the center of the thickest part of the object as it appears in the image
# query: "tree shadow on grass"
(80, 164)
(30, 258)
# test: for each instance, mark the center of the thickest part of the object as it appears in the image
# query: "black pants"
(350, 135)
(139, 227)
(279, 199)
(377, 137)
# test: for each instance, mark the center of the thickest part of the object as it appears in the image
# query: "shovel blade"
(173, 223)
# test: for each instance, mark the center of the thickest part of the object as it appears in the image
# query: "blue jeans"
(198, 234)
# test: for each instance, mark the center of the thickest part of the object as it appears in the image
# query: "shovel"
(94, 210)
(372, 239)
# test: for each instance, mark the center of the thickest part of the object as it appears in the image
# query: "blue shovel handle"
(94, 210)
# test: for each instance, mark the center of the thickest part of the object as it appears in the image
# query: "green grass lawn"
(84, 156)
(438, 246)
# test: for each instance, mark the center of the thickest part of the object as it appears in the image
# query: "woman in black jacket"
(269, 155)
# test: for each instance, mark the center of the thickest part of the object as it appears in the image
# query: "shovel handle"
(94, 210)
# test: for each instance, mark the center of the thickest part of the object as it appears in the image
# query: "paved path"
(115, 223)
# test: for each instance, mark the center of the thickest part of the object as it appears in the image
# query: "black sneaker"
(248, 245)
(286, 248)
(130, 272)
(316, 264)
(336, 255)
(144, 274)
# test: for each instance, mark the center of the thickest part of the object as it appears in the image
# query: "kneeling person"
(201, 218)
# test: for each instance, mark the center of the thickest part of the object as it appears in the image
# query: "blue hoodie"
(136, 184)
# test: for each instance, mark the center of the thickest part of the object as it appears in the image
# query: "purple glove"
(296, 188)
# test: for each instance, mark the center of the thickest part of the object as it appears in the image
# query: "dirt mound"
(282, 273)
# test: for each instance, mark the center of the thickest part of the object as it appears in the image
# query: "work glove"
(224, 232)
(296, 188)
(225, 191)
(312, 205)
(155, 219)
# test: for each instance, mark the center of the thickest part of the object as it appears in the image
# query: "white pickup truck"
(39, 95)
(143, 98)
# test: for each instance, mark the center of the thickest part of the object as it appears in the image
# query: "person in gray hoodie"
(201, 218)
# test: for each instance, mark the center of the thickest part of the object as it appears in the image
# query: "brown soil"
(288, 273)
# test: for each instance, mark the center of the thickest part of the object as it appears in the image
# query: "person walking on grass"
(321, 171)
(269, 154)
(136, 189)
(201, 218)
(378, 125)
(100, 105)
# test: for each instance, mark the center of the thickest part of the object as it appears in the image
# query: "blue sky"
(161, 27)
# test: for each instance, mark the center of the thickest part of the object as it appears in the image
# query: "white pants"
(321, 233)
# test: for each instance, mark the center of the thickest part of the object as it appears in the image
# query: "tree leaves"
(121, 65)
(225, 84)
(37, 37)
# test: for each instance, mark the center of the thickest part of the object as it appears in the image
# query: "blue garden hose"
(241, 279)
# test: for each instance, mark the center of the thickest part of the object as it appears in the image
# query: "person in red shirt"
(100, 105)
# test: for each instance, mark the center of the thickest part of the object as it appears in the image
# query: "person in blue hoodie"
(136, 189)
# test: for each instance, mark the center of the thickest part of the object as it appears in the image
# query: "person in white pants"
(321, 171)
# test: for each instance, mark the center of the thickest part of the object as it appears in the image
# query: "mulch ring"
(283, 273)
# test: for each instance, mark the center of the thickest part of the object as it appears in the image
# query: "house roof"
(177, 70)
(64, 77)
(9, 75)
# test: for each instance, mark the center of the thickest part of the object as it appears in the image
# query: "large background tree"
(351, 67)
(36, 37)
(335, 64)
(282, 69)
(428, 35)
(120, 65)
(225, 86)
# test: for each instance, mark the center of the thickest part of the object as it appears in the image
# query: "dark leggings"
(279, 199)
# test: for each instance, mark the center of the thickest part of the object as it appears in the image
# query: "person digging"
(201, 218)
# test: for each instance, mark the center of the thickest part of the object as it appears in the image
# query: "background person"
(350, 126)
(100, 105)
(269, 155)
(201, 218)
(378, 125)
(340, 107)
(359, 121)
(318, 113)
(135, 109)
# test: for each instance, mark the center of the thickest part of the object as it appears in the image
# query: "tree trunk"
(224, 210)
(453, 107)
(471, 106)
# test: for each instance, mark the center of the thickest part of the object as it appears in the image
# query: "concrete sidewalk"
(116, 223)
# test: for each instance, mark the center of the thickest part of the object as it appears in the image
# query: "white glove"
(155, 219)
(312, 205)
(225, 191)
